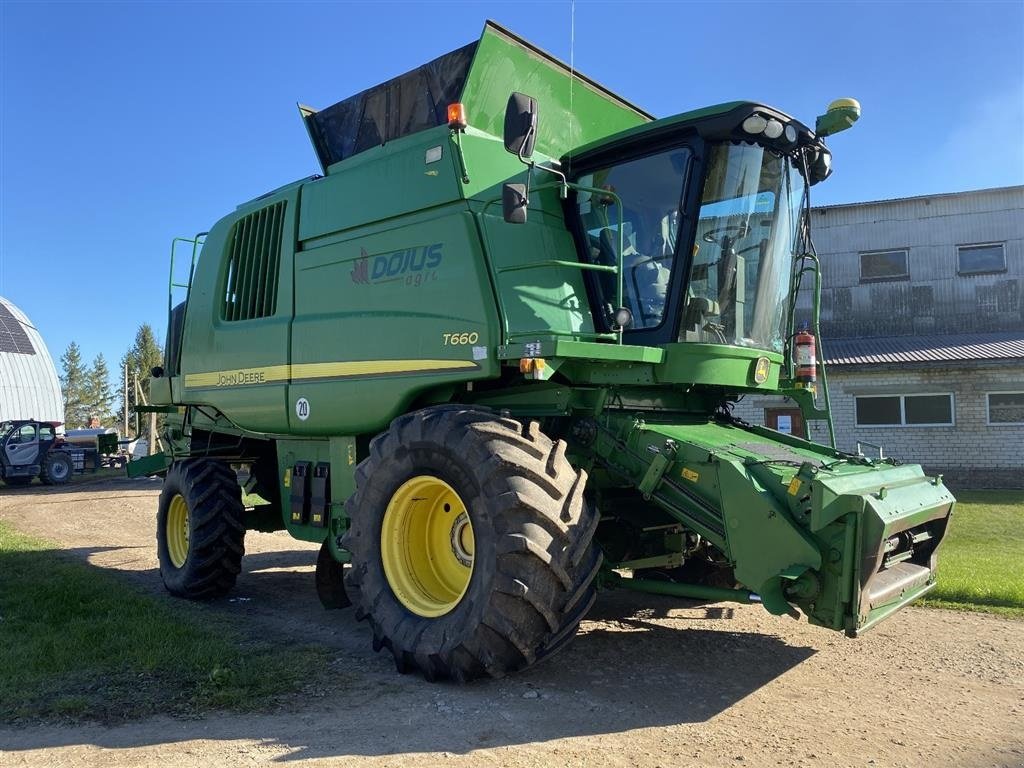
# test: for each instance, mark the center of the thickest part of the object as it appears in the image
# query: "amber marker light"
(457, 116)
(532, 365)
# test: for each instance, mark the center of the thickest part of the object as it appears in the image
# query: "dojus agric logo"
(415, 266)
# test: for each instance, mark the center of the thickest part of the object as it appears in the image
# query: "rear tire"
(200, 529)
(57, 468)
(530, 544)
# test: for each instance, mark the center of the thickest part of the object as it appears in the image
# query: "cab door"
(23, 446)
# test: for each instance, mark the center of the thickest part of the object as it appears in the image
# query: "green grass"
(981, 563)
(79, 643)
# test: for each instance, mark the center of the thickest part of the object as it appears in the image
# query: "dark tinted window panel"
(12, 334)
(878, 410)
(884, 265)
(980, 258)
(928, 409)
(1006, 408)
(413, 102)
(254, 261)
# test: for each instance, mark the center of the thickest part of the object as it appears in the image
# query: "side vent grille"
(254, 259)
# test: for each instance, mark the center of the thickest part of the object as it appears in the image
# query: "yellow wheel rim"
(427, 546)
(177, 531)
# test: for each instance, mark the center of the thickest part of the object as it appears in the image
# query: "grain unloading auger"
(488, 361)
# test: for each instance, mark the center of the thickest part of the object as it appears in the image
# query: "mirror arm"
(522, 146)
(457, 139)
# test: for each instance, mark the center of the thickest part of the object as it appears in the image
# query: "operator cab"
(712, 208)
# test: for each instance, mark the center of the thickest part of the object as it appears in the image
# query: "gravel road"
(648, 682)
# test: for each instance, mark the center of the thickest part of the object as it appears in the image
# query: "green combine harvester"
(488, 359)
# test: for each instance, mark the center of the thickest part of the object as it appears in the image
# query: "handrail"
(549, 332)
(564, 185)
(816, 323)
(560, 263)
(616, 268)
(196, 242)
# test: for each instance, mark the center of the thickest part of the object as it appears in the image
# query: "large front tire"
(200, 529)
(57, 468)
(455, 487)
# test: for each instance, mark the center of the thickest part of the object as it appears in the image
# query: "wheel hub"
(177, 531)
(427, 546)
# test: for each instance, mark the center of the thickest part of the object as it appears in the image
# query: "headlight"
(754, 124)
(791, 133)
(773, 129)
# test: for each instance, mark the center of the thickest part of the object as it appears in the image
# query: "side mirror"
(521, 125)
(821, 166)
(513, 203)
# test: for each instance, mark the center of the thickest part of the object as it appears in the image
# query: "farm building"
(922, 324)
(29, 388)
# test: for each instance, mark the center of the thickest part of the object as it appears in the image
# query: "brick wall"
(970, 454)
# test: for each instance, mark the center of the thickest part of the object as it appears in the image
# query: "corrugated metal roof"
(924, 349)
(29, 387)
(936, 196)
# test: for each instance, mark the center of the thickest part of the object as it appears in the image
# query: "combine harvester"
(488, 360)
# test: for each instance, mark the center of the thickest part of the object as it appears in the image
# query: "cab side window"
(27, 434)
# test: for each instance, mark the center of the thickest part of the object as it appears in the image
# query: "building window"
(931, 410)
(884, 265)
(975, 259)
(1006, 407)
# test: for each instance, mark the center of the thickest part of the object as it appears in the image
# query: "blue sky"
(123, 125)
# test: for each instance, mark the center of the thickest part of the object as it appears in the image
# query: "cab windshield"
(747, 236)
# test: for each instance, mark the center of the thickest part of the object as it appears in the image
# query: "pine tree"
(144, 354)
(73, 381)
(100, 398)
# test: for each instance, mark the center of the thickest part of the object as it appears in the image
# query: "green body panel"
(574, 112)
(717, 365)
(149, 465)
(540, 299)
(340, 454)
(380, 183)
(411, 316)
(216, 349)
(400, 285)
(582, 350)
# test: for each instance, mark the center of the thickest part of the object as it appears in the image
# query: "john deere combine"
(488, 359)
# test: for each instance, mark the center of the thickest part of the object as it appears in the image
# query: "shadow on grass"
(624, 671)
(77, 641)
(80, 642)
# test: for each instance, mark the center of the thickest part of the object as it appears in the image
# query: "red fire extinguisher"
(806, 366)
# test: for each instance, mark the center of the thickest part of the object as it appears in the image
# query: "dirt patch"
(649, 681)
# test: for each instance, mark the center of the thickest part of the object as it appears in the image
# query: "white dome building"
(29, 387)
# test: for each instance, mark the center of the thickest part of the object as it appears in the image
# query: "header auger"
(487, 360)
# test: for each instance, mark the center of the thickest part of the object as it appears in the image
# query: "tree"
(73, 380)
(143, 355)
(99, 396)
